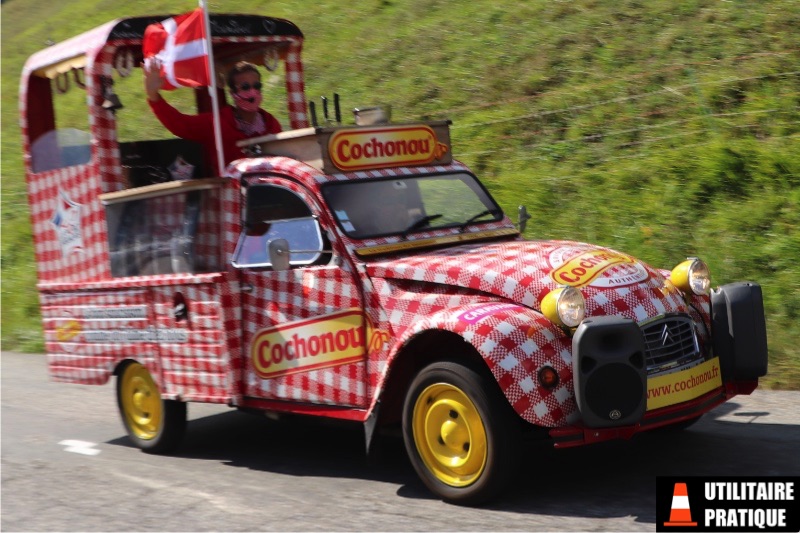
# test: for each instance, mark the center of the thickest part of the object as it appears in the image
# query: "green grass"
(664, 129)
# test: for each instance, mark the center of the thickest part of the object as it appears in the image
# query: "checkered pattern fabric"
(196, 367)
(65, 209)
(278, 298)
(79, 330)
(207, 245)
(82, 184)
(516, 344)
(89, 333)
(515, 341)
(520, 271)
(103, 124)
(485, 292)
(281, 298)
(295, 87)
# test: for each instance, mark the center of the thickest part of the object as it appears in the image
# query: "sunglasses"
(246, 86)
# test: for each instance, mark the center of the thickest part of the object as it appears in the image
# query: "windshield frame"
(482, 195)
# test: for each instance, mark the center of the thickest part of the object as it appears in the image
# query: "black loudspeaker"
(610, 374)
(739, 330)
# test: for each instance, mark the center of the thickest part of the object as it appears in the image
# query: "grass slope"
(664, 129)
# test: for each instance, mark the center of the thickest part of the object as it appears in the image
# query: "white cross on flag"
(179, 44)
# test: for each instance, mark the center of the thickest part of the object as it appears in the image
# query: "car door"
(303, 327)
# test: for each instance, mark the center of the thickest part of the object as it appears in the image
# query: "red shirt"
(200, 128)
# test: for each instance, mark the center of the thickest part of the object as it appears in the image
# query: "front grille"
(670, 342)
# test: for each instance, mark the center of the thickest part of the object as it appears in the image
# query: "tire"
(153, 424)
(460, 433)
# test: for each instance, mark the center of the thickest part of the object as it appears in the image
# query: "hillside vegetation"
(666, 128)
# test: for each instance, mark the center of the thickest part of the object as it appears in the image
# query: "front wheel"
(153, 424)
(460, 434)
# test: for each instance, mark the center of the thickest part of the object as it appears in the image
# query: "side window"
(164, 234)
(59, 121)
(61, 148)
(273, 212)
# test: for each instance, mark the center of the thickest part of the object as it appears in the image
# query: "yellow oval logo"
(329, 340)
(68, 330)
(365, 149)
(582, 269)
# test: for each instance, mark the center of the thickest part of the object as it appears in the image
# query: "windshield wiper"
(473, 218)
(419, 223)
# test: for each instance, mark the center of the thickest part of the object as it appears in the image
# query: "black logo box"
(698, 503)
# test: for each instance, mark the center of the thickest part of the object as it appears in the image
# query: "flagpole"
(213, 88)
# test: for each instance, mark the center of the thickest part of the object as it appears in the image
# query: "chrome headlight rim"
(699, 277)
(692, 277)
(565, 306)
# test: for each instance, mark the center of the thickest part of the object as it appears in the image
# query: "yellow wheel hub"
(141, 402)
(449, 435)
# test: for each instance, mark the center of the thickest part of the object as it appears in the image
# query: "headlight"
(564, 306)
(691, 276)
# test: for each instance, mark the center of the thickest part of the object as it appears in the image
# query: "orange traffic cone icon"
(681, 514)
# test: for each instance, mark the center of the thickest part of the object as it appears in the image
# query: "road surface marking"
(80, 446)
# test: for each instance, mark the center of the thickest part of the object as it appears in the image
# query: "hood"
(523, 272)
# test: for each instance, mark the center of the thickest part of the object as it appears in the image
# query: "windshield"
(400, 206)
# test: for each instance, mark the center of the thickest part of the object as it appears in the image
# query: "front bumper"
(617, 399)
(580, 435)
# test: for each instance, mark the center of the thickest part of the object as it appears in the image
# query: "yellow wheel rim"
(449, 435)
(141, 402)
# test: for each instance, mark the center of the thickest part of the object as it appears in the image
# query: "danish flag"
(179, 44)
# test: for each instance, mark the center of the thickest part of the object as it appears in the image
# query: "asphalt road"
(241, 472)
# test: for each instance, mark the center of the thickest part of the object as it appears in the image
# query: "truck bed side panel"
(87, 333)
(194, 353)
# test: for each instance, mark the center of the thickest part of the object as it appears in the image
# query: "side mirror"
(523, 218)
(279, 255)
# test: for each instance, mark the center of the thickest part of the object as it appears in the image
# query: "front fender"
(515, 342)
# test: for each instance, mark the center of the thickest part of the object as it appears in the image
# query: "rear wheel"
(153, 424)
(460, 434)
